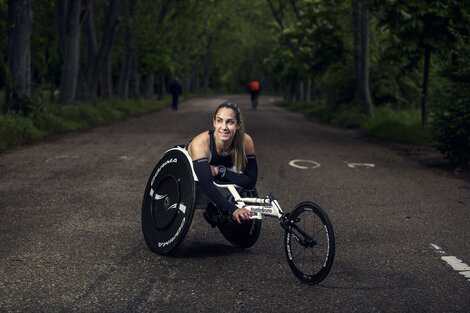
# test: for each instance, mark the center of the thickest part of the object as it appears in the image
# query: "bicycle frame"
(259, 207)
(268, 206)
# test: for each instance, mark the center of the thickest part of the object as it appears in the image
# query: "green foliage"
(337, 84)
(3, 41)
(387, 123)
(15, 129)
(46, 119)
(397, 125)
(452, 132)
(452, 123)
(45, 62)
(346, 116)
(311, 32)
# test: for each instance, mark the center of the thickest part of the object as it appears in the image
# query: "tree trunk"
(127, 80)
(125, 75)
(302, 96)
(101, 59)
(366, 98)
(19, 54)
(162, 89)
(357, 44)
(361, 55)
(91, 43)
(61, 24)
(424, 105)
(149, 82)
(135, 77)
(106, 82)
(309, 90)
(71, 59)
(207, 65)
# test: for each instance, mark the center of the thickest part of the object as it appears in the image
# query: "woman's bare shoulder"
(249, 145)
(199, 147)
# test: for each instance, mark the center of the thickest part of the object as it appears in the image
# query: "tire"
(168, 202)
(311, 264)
(242, 235)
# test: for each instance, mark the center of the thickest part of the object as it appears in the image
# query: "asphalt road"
(71, 237)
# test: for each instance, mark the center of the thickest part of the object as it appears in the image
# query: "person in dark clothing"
(176, 90)
(226, 154)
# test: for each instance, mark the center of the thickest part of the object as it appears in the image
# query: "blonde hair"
(238, 144)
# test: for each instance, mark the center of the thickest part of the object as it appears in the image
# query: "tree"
(19, 55)
(421, 28)
(68, 13)
(91, 40)
(451, 125)
(361, 55)
(101, 61)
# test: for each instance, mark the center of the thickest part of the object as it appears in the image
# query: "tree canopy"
(306, 49)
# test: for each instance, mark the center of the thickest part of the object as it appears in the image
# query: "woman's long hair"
(238, 145)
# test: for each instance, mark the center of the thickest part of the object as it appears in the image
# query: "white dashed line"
(456, 264)
(355, 165)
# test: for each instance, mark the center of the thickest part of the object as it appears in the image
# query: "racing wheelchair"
(172, 195)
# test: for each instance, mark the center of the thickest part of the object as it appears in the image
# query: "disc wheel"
(168, 202)
(242, 235)
(310, 261)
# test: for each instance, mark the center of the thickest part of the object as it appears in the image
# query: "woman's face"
(225, 124)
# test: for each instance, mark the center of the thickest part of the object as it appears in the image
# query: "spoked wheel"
(309, 243)
(168, 203)
(242, 235)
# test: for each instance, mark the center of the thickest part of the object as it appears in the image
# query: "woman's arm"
(248, 178)
(203, 172)
(199, 151)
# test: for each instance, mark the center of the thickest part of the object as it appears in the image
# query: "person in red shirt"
(254, 87)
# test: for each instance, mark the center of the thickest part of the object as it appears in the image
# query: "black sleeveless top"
(217, 159)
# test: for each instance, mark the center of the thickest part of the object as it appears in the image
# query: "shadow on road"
(202, 250)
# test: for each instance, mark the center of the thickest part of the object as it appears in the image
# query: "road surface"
(71, 237)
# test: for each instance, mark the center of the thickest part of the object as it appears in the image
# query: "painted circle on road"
(304, 164)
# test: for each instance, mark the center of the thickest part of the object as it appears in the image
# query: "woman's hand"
(241, 214)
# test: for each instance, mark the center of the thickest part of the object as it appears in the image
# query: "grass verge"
(49, 119)
(387, 124)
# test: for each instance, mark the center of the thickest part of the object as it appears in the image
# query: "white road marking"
(313, 164)
(456, 264)
(61, 157)
(354, 165)
(437, 248)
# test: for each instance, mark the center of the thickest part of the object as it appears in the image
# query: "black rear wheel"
(168, 203)
(242, 235)
(309, 243)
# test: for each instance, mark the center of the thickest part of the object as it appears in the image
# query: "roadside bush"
(16, 129)
(45, 119)
(452, 130)
(397, 125)
(452, 124)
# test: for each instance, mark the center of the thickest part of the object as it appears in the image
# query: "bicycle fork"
(299, 234)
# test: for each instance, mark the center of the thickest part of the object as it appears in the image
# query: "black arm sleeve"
(204, 175)
(249, 176)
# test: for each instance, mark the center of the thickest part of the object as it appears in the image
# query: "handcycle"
(171, 196)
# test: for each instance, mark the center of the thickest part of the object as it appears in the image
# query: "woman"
(227, 154)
